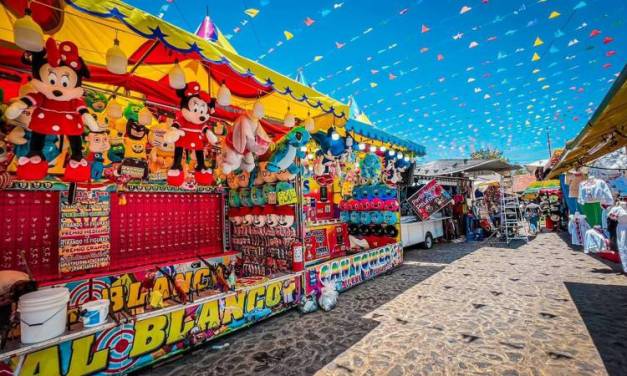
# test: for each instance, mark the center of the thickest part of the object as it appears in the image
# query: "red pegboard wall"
(161, 227)
(30, 225)
(152, 228)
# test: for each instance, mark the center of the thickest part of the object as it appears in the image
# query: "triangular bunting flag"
(424, 28)
(538, 42)
(535, 57)
(252, 12)
(288, 35)
(553, 15)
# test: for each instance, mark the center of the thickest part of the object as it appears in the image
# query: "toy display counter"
(353, 269)
(140, 340)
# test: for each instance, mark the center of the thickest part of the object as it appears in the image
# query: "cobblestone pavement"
(542, 308)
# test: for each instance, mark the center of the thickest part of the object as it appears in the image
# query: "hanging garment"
(621, 236)
(595, 190)
(593, 213)
(573, 181)
(577, 227)
(571, 202)
(595, 241)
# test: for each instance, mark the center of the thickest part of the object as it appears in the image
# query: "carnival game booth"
(350, 207)
(115, 158)
(592, 173)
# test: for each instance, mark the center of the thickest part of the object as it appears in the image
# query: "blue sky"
(452, 75)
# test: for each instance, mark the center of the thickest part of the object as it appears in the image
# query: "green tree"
(488, 153)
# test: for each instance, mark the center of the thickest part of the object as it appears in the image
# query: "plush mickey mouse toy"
(59, 109)
(189, 132)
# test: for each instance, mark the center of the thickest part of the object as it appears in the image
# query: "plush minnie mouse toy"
(59, 109)
(189, 132)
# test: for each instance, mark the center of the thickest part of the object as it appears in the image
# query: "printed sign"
(352, 270)
(129, 346)
(84, 231)
(429, 200)
(287, 197)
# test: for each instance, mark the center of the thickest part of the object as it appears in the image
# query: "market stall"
(548, 196)
(351, 219)
(591, 171)
(114, 192)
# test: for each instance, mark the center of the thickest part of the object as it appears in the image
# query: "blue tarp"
(371, 131)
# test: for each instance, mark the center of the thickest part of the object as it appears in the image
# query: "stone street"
(541, 308)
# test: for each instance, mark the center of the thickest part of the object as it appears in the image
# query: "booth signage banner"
(352, 270)
(84, 231)
(126, 347)
(429, 200)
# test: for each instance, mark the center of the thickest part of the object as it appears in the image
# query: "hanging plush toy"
(135, 141)
(288, 149)
(161, 155)
(190, 130)
(59, 109)
(98, 146)
(247, 139)
(370, 168)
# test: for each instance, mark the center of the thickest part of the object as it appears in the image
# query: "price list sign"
(84, 235)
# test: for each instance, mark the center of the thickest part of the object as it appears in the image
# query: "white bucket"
(43, 314)
(95, 313)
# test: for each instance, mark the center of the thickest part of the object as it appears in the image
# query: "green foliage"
(488, 153)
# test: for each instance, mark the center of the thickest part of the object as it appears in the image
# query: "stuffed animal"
(257, 196)
(268, 177)
(269, 192)
(285, 175)
(288, 149)
(247, 139)
(286, 215)
(189, 132)
(98, 146)
(161, 155)
(96, 101)
(259, 217)
(390, 218)
(247, 217)
(330, 146)
(235, 216)
(59, 109)
(20, 137)
(6, 156)
(232, 181)
(243, 179)
(272, 218)
(370, 167)
(113, 116)
(244, 197)
(134, 163)
(234, 200)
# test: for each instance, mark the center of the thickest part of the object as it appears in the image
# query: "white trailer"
(414, 231)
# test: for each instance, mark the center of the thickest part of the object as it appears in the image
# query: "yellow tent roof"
(93, 25)
(605, 132)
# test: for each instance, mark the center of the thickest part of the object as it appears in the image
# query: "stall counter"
(137, 342)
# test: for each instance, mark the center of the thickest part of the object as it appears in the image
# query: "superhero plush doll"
(58, 109)
(190, 132)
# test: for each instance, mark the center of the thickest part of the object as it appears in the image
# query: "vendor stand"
(164, 252)
(350, 207)
(598, 185)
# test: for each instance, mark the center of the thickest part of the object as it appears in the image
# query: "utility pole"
(548, 141)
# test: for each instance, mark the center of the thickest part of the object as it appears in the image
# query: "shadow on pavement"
(295, 344)
(442, 253)
(603, 308)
